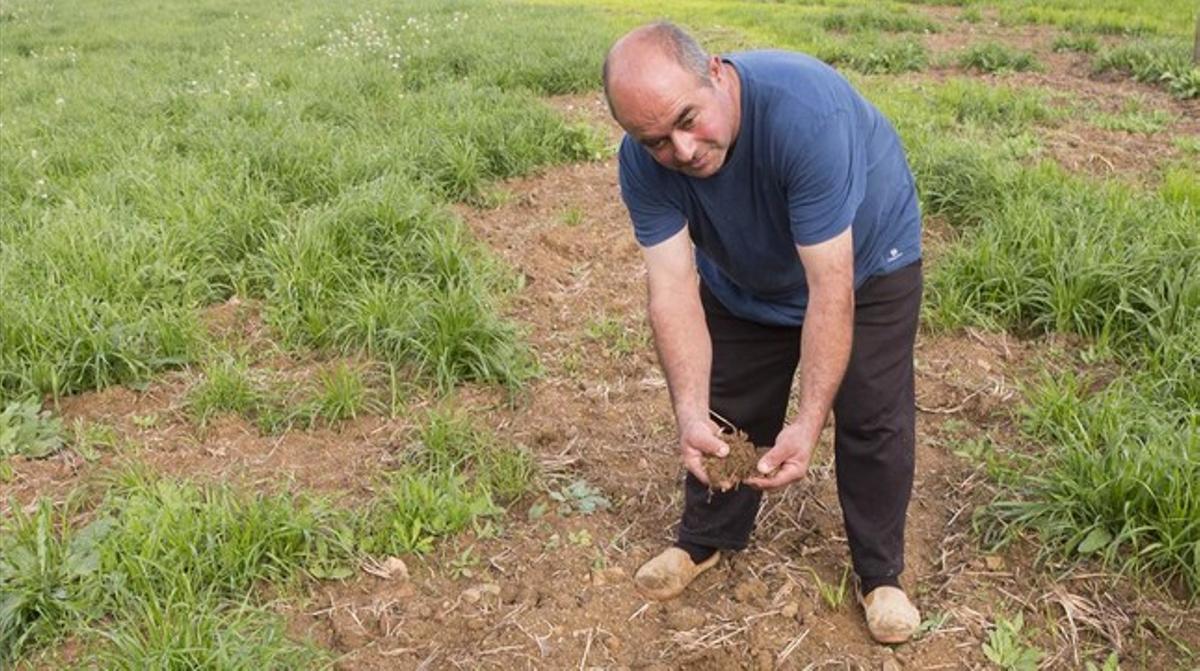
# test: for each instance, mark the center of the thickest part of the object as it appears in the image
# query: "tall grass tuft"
(996, 57)
(1123, 482)
(1046, 252)
(49, 577)
(139, 184)
(385, 270)
(1163, 61)
(873, 19)
(871, 54)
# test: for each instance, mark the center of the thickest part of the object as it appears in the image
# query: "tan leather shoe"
(666, 576)
(891, 617)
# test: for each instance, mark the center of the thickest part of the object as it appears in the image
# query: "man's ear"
(714, 67)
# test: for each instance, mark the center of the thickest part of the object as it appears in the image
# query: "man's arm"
(824, 353)
(684, 348)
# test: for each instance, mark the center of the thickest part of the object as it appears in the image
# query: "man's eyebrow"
(678, 120)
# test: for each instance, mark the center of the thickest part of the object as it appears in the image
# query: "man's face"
(686, 123)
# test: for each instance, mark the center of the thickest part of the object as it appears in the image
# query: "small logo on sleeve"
(894, 255)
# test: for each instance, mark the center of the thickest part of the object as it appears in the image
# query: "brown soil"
(556, 591)
(728, 472)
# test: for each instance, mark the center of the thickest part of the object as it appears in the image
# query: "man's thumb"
(766, 465)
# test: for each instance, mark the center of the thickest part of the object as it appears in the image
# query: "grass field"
(161, 160)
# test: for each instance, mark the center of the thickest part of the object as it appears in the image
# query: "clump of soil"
(725, 473)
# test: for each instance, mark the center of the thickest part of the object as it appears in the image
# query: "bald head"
(653, 46)
(678, 103)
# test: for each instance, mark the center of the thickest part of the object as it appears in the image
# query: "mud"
(728, 472)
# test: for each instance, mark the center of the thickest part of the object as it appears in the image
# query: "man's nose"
(685, 146)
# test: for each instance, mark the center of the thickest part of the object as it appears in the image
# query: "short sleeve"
(654, 217)
(825, 177)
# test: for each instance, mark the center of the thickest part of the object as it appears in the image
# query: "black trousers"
(874, 411)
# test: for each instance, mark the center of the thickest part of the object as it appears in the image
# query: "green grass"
(874, 19)
(1110, 17)
(1181, 185)
(228, 387)
(871, 54)
(1010, 109)
(996, 57)
(1046, 252)
(1121, 482)
(171, 571)
(338, 393)
(144, 182)
(1135, 118)
(1084, 44)
(48, 577)
(1164, 61)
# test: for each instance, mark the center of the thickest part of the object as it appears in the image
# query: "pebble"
(475, 594)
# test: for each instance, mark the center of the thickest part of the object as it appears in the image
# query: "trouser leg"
(752, 370)
(875, 417)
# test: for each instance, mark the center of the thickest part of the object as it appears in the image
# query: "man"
(779, 225)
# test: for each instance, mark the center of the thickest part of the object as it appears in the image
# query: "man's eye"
(688, 122)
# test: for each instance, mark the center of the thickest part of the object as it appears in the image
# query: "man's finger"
(708, 443)
(770, 461)
(788, 473)
(696, 468)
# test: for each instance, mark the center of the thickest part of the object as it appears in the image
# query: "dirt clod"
(683, 619)
(728, 472)
(751, 591)
(612, 575)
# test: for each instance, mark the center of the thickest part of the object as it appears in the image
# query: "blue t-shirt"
(812, 157)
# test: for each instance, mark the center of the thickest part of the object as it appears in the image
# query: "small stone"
(393, 568)
(682, 619)
(890, 664)
(475, 594)
(790, 609)
(993, 562)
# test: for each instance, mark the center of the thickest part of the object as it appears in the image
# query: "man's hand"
(698, 437)
(790, 455)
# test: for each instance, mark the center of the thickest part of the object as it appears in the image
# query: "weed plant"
(165, 572)
(49, 578)
(28, 430)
